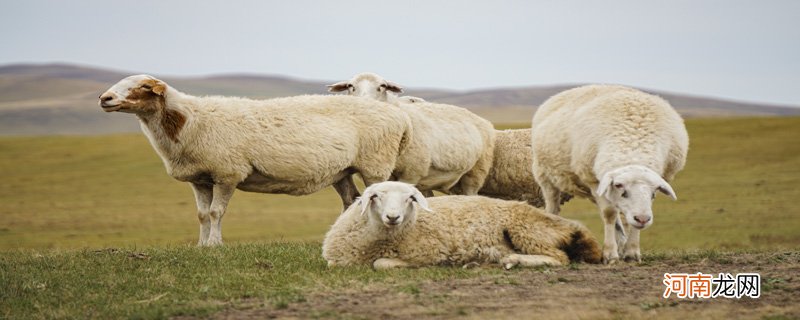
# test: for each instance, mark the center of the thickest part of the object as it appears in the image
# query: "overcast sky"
(745, 50)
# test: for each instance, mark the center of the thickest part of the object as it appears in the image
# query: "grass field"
(738, 191)
(128, 231)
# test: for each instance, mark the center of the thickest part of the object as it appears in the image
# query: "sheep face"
(392, 203)
(368, 85)
(632, 189)
(134, 94)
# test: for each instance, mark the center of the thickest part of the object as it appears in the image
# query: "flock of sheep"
(611, 144)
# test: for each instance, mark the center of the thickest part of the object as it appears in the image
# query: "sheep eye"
(625, 194)
(147, 86)
(373, 197)
(618, 185)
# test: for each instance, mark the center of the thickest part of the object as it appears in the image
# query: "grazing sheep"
(295, 145)
(614, 145)
(454, 144)
(385, 229)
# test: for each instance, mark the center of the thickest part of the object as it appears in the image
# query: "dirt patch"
(573, 292)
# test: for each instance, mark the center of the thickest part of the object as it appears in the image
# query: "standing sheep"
(454, 145)
(385, 229)
(295, 145)
(614, 145)
(510, 175)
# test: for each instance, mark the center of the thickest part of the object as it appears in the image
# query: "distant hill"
(62, 98)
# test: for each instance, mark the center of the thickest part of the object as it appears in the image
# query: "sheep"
(385, 229)
(457, 145)
(510, 177)
(614, 145)
(296, 145)
(370, 85)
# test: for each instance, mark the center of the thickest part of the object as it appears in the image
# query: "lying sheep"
(386, 230)
(614, 145)
(454, 145)
(295, 145)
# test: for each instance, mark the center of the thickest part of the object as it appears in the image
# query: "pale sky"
(743, 50)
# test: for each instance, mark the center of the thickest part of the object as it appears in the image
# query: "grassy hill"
(62, 98)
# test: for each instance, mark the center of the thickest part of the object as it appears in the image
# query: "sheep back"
(298, 145)
(583, 132)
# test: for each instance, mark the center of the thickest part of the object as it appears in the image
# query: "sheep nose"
(642, 219)
(106, 97)
(393, 218)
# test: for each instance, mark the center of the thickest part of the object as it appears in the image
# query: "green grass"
(180, 280)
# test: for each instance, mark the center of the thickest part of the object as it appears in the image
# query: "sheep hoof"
(471, 265)
(633, 257)
(610, 259)
(508, 266)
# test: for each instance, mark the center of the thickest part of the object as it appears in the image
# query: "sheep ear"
(665, 188)
(605, 185)
(338, 87)
(365, 199)
(159, 88)
(155, 86)
(393, 87)
(420, 200)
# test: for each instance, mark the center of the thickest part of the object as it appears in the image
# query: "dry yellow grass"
(738, 190)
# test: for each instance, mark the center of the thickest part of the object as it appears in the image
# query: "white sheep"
(370, 85)
(295, 145)
(386, 230)
(614, 145)
(454, 145)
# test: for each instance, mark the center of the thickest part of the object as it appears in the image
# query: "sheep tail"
(582, 247)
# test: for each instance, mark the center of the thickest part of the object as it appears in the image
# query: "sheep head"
(392, 203)
(632, 189)
(135, 94)
(368, 85)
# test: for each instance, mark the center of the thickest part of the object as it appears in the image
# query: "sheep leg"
(528, 260)
(347, 190)
(202, 195)
(389, 263)
(620, 226)
(610, 216)
(552, 197)
(632, 251)
(222, 194)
